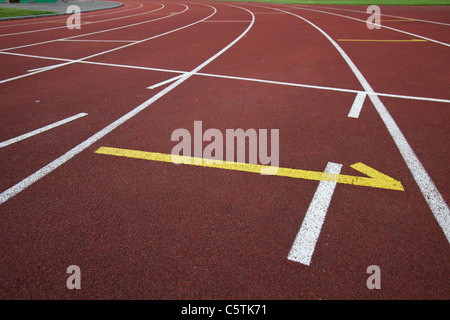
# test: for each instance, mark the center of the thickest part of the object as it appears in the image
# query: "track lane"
(152, 244)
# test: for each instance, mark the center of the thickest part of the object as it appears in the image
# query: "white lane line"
(383, 26)
(62, 27)
(85, 40)
(25, 183)
(432, 196)
(291, 84)
(227, 21)
(355, 110)
(162, 83)
(40, 130)
(305, 242)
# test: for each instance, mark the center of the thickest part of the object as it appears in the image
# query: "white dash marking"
(43, 129)
(305, 242)
(166, 81)
(357, 105)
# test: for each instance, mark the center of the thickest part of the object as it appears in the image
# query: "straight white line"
(305, 242)
(432, 196)
(83, 40)
(25, 183)
(357, 105)
(91, 33)
(292, 84)
(43, 129)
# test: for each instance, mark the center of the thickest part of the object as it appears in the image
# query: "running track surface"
(155, 230)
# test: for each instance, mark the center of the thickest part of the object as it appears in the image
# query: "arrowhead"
(376, 180)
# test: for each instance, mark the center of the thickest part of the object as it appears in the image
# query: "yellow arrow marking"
(375, 178)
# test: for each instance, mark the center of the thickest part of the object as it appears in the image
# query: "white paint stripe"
(357, 105)
(383, 15)
(162, 83)
(43, 129)
(45, 68)
(84, 15)
(25, 183)
(305, 242)
(292, 84)
(433, 197)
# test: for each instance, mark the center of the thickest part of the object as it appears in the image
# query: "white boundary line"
(39, 70)
(291, 84)
(62, 27)
(433, 197)
(40, 130)
(305, 242)
(25, 183)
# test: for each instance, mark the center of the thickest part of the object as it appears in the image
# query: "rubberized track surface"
(154, 230)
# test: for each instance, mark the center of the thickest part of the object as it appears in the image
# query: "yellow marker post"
(375, 178)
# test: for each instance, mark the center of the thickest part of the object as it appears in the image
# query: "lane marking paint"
(357, 105)
(31, 179)
(432, 196)
(227, 21)
(54, 28)
(85, 40)
(398, 20)
(43, 129)
(382, 40)
(95, 15)
(305, 242)
(375, 178)
(39, 70)
(292, 84)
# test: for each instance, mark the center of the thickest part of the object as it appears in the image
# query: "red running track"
(152, 230)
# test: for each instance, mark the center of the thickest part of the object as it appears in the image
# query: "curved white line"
(432, 196)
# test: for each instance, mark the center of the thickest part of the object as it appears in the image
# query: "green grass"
(360, 2)
(13, 12)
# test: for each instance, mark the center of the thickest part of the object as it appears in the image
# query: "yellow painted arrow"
(375, 178)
